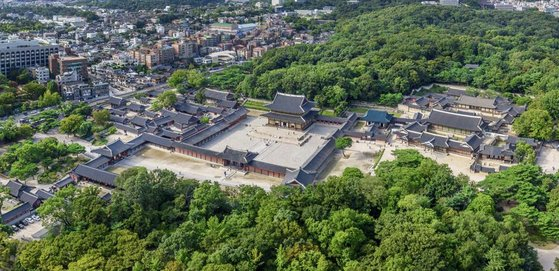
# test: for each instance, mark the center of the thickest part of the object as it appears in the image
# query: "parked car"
(21, 226)
(28, 220)
(36, 217)
(15, 228)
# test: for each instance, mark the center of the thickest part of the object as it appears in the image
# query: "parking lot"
(33, 231)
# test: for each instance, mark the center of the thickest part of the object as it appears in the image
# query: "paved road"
(547, 256)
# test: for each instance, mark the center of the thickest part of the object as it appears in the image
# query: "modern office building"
(62, 64)
(20, 54)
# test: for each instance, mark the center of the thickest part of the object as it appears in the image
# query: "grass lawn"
(256, 105)
(100, 142)
(328, 112)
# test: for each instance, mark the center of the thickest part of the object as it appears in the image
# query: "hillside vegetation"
(400, 48)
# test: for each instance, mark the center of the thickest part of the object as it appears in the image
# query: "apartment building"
(185, 49)
(151, 57)
(41, 74)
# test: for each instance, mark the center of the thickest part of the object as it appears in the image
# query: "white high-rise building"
(41, 74)
(277, 3)
(21, 54)
(449, 2)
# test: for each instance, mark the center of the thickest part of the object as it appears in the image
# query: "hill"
(400, 48)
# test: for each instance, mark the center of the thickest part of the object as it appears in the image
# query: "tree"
(482, 203)
(74, 208)
(343, 143)
(8, 250)
(52, 86)
(534, 123)
(200, 97)
(549, 102)
(49, 98)
(10, 132)
(23, 76)
(390, 99)
(101, 117)
(71, 124)
(205, 119)
(165, 100)
(84, 129)
(524, 153)
(75, 148)
(179, 77)
(33, 90)
(184, 79)
(4, 195)
(518, 182)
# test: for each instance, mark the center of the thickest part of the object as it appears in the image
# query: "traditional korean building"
(291, 111)
(454, 123)
(377, 118)
(115, 151)
(91, 174)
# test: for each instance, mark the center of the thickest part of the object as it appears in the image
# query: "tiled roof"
(218, 95)
(237, 156)
(98, 162)
(115, 118)
(97, 175)
(139, 121)
(136, 107)
(28, 197)
(188, 108)
(117, 112)
(16, 212)
(117, 101)
(43, 194)
(63, 182)
(456, 120)
(15, 187)
(305, 118)
(476, 101)
(299, 177)
(226, 104)
(290, 104)
(377, 116)
(115, 148)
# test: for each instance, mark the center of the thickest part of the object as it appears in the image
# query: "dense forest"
(399, 48)
(413, 215)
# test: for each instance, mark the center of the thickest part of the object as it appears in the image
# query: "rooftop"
(456, 120)
(290, 104)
